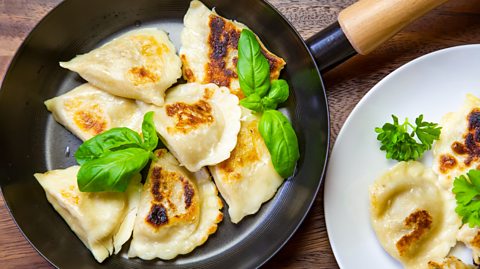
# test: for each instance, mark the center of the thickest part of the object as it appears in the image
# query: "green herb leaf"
(399, 142)
(278, 93)
(110, 159)
(268, 103)
(427, 132)
(150, 137)
(467, 194)
(281, 141)
(253, 68)
(107, 141)
(112, 171)
(252, 102)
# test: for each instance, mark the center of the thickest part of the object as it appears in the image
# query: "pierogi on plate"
(458, 149)
(406, 187)
(450, 262)
(141, 64)
(470, 236)
(456, 152)
(412, 215)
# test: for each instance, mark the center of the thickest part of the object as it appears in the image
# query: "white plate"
(431, 85)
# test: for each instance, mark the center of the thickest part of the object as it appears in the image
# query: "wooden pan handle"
(369, 23)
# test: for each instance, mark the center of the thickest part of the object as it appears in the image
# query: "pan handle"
(363, 26)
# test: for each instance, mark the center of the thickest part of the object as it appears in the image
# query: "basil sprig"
(109, 160)
(263, 95)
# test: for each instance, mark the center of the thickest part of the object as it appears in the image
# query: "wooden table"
(455, 23)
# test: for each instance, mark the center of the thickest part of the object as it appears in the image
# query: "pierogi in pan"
(102, 220)
(178, 210)
(413, 216)
(209, 49)
(141, 64)
(198, 123)
(87, 111)
(247, 179)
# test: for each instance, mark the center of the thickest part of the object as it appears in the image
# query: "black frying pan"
(31, 141)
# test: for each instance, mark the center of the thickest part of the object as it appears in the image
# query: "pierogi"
(87, 111)
(198, 123)
(178, 210)
(209, 49)
(102, 220)
(458, 149)
(141, 64)
(471, 238)
(456, 152)
(247, 179)
(413, 217)
(450, 262)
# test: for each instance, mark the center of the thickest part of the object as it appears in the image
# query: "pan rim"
(11, 63)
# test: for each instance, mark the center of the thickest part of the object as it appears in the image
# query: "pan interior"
(33, 142)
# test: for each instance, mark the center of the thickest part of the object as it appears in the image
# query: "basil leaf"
(150, 138)
(281, 141)
(253, 68)
(113, 171)
(277, 94)
(252, 102)
(100, 144)
(279, 91)
(268, 103)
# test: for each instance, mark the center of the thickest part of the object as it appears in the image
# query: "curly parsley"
(399, 142)
(467, 193)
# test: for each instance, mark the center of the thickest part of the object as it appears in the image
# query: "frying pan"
(31, 141)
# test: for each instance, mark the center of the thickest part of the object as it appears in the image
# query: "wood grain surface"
(455, 23)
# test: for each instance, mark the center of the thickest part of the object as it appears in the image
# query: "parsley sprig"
(398, 140)
(467, 193)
